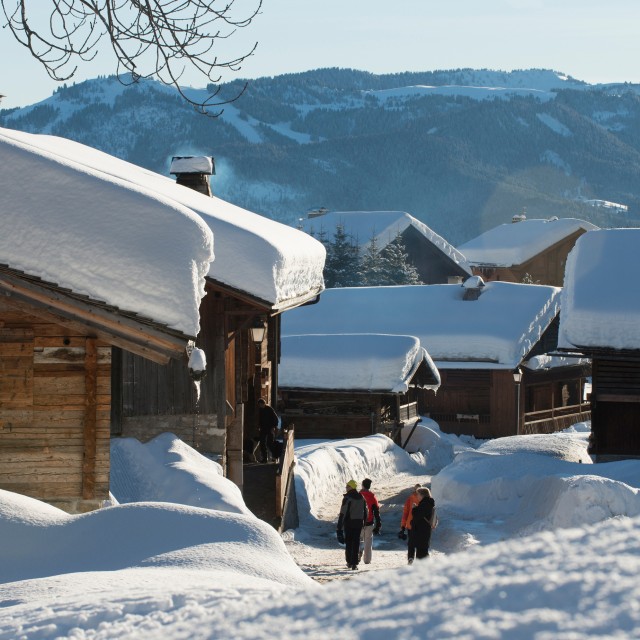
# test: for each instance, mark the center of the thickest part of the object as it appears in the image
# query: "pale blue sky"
(593, 40)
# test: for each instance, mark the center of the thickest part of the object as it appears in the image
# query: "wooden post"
(235, 437)
(90, 419)
(220, 374)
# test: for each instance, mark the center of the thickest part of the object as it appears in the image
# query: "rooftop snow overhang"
(265, 306)
(120, 328)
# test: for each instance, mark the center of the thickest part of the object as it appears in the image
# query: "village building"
(262, 268)
(78, 252)
(601, 319)
(493, 346)
(352, 385)
(531, 251)
(435, 260)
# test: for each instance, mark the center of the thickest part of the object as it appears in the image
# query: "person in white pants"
(373, 515)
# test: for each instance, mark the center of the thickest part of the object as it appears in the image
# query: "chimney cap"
(203, 165)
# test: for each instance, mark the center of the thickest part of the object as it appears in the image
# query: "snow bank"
(600, 307)
(168, 470)
(527, 487)
(563, 446)
(69, 219)
(427, 439)
(323, 468)
(140, 535)
(497, 330)
(574, 583)
(564, 502)
(359, 362)
(515, 243)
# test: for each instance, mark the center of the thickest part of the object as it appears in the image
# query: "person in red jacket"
(405, 522)
(373, 514)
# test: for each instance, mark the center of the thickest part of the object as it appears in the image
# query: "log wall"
(55, 400)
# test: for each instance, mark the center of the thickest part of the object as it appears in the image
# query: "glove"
(402, 535)
(376, 529)
(340, 536)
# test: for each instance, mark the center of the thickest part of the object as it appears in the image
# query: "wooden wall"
(484, 403)
(545, 268)
(331, 415)
(615, 399)
(477, 402)
(54, 412)
(160, 398)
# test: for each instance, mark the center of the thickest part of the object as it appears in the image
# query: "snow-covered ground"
(533, 542)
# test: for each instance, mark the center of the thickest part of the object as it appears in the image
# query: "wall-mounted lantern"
(258, 329)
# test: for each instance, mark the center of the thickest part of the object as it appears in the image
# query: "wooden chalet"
(55, 387)
(490, 350)
(261, 269)
(348, 386)
(529, 251)
(601, 320)
(64, 309)
(436, 261)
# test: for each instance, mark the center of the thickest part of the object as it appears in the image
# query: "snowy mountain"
(461, 150)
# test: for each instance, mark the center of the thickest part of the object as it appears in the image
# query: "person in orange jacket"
(405, 522)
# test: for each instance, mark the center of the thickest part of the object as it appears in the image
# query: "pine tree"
(343, 260)
(397, 268)
(372, 265)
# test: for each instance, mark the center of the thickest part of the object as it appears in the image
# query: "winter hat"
(352, 484)
(366, 483)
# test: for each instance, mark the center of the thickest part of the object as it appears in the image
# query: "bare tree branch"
(150, 38)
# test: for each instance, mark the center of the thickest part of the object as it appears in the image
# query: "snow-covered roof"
(384, 225)
(70, 220)
(600, 303)
(253, 254)
(515, 243)
(495, 331)
(359, 362)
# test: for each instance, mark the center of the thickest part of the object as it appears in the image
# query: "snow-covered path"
(320, 556)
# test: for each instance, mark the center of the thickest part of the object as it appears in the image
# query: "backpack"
(434, 518)
(356, 510)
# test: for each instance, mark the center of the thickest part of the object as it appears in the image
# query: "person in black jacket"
(353, 515)
(267, 427)
(420, 532)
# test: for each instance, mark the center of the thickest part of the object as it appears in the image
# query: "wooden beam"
(110, 325)
(90, 420)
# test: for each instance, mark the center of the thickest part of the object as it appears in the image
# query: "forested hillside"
(461, 150)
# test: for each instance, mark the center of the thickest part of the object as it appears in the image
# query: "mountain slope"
(461, 150)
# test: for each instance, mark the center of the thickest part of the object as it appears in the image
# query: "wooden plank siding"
(161, 398)
(55, 397)
(547, 267)
(484, 403)
(615, 398)
(318, 414)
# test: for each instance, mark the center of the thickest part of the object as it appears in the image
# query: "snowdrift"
(428, 440)
(166, 469)
(325, 467)
(534, 492)
(563, 446)
(43, 541)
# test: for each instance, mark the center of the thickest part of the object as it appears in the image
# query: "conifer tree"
(343, 260)
(372, 265)
(397, 268)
